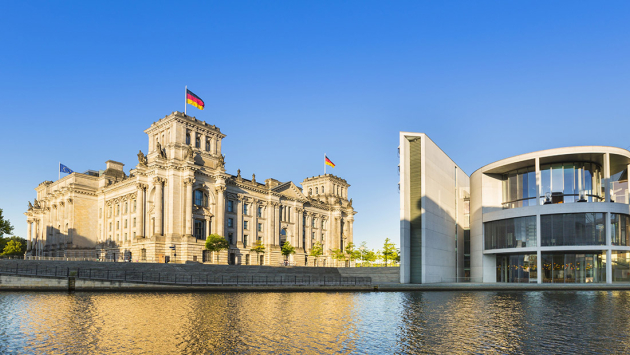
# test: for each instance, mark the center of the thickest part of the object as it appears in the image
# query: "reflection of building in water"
(177, 195)
(558, 216)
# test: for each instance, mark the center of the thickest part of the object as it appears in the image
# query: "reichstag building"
(177, 195)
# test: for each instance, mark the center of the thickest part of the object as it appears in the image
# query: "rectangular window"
(245, 209)
(313, 237)
(135, 205)
(231, 238)
(110, 226)
(125, 237)
(117, 225)
(260, 227)
(314, 222)
(260, 211)
(100, 212)
(245, 241)
(134, 222)
(134, 235)
(230, 206)
(245, 225)
(230, 222)
(199, 230)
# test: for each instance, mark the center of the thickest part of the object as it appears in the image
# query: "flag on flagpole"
(64, 169)
(194, 100)
(328, 162)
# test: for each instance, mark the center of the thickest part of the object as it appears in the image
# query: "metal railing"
(203, 279)
(35, 270)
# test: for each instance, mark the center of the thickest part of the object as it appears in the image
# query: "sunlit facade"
(554, 216)
(178, 194)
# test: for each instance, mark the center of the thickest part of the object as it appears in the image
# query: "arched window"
(187, 137)
(310, 191)
(283, 236)
(197, 142)
(207, 144)
(316, 191)
(322, 189)
(200, 198)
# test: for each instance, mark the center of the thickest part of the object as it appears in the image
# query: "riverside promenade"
(88, 276)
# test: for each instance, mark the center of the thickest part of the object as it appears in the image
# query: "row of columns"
(215, 142)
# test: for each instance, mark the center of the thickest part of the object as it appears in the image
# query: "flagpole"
(185, 97)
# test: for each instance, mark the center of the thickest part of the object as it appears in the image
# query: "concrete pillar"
(608, 266)
(606, 180)
(189, 202)
(158, 206)
(539, 266)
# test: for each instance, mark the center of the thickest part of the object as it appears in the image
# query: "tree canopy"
(5, 240)
(316, 250)
(216, 243)
(5, 225)
(13, 247)
(389, 251)
(287, 249)
(258, 247)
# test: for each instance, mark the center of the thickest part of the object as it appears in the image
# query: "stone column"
(276, 224)
(28, 233)
(189, 202)
(220, 211)
(140, 196)
(70, 218)
(239, 221)
(158, 205)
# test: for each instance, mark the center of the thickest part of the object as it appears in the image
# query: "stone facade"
(178, 194)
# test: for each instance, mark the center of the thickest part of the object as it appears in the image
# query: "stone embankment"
(93, 276)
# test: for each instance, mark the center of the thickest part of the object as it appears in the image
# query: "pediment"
(290, 190)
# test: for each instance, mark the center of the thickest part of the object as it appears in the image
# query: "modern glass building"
(553, 216)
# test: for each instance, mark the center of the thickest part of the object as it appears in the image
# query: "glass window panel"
(545, 181)
(580, 275)
(557, 181)
(600, 229)
(569, 268)
(547, 264)
(531, 182)
(620, 266)
(568, 179)
(580, 229)
(614, 229)
(558, 268)
(546, 230)
(512, 186)
(557, 222)
(568, 232)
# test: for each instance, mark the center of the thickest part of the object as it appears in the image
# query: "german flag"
(194, 100)
(328, 162)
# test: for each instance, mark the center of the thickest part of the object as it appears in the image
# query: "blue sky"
(288, 81)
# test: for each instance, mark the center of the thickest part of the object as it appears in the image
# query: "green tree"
(216, 243)
(369, 256)
(352, 252)
(258, 248)
(389, 251)
(338, 254)
(316, 250)
(13, 247)
(5, 225)
(287, 249)
(5, 240)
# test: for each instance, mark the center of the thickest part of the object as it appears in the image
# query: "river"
(558, 322)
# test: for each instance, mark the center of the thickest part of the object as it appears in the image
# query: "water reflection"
(316, 323)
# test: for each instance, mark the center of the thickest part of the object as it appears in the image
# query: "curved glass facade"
(519, 188)
(510, 233)
(570, 182)
(573, 267)
(571, 229)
